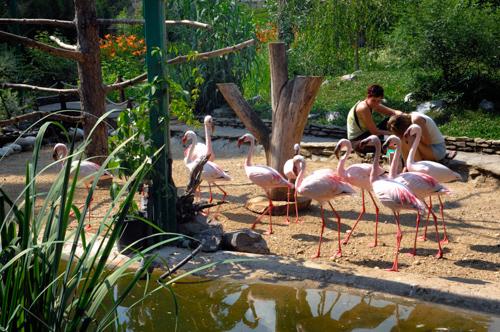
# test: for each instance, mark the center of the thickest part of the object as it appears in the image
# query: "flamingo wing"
(438, 171)
(396, 196)
(266, 177)
(213, 173)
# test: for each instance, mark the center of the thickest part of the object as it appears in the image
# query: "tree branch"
(38, 21)
(183, 59)
(102, 21)
(124, 84)
(62, 44)
(39, 115)
(211, 54)
(73, 55)
(193, 24)
(38, 88)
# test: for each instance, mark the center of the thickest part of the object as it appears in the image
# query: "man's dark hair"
(375, 91)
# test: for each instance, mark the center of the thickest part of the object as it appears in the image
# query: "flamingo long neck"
(341, 164)
(413, 149)
(376, 158)
(248, 162)
(300, 176)
(395, 161)
(64, 155)
(208, 139)
(189, 156)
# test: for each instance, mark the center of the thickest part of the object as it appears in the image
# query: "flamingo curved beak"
(241, 140)
(336, 151)
(184, 140)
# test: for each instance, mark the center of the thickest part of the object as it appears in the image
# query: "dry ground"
(471, 213)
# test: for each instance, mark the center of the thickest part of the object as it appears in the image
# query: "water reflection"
(230, 306)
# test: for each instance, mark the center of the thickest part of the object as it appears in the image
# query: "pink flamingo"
(291, 173)
(438, 171)
(211, 173)
(357, 175)
(420, 184)
(200, 149)
(264, 176)
(391, 194)
(87, 169)
(322, 186)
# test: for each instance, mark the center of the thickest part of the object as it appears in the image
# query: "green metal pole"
(163, 194)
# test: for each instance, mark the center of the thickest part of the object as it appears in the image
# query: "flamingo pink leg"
(399, 236)
(414, 251)
(339, 251)
(269, 210)
(224, 195)
(318, 254)
(424, 237)
(440, 250)
(445, 236)
(287, 220)
(346, 240)
(374, 244)
(297, 220)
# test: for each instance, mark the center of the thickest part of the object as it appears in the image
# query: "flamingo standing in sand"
(200, 149)
(291, 173)
(264, 176)
(211, 172)
(391, 194)
(357, 175)
(420, 184)
(438, 171)
(87, 169)
(322, 186)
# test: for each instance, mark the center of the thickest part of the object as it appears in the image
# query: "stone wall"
(467, 144)
(313, 130)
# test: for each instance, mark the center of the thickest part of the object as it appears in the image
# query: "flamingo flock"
(393, 190)
(396, 191)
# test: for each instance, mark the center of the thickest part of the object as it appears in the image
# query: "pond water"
(234, 306)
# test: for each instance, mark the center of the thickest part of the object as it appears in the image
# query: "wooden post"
(291, 101)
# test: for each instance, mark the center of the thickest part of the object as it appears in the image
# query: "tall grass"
(38, 292)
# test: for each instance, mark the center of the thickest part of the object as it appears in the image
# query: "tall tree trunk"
(91, 90)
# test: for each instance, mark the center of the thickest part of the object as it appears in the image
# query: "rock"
(78, 135)
(487, 105)
(210, 238)
(245, 241)
(16, 148)
(348, 77)
(5, 151)
(435, 105)
(332, 116)
(409, 98)
(27, 143)
(198, 225)
(227, 112)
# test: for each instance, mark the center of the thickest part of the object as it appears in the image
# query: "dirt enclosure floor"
(471, 213)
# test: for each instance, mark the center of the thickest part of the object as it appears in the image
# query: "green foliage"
(232, 24)
(44, 68)
(327, 33)
(37, 291)
(135, 122)
(454, 45)
(471, 123)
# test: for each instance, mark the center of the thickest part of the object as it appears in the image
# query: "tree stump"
(291, 99)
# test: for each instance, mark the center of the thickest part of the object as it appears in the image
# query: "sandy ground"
(471, 214)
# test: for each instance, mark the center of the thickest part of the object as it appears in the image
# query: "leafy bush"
(332, 37)
(43, 68)
(454, 43)
(232, 24)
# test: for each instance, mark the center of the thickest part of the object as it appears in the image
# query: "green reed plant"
(38, 292)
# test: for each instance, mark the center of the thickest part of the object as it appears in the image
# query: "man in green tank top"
(360, 122)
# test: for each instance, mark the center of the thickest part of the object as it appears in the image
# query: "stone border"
(467, 144)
